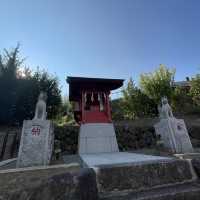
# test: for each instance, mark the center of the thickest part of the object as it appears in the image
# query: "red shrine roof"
(76, 84)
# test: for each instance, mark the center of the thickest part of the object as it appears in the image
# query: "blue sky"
(104, 38)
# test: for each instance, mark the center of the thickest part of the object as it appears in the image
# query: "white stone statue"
(40, 110)
(173, 132)
(37, 138)
(165, 110)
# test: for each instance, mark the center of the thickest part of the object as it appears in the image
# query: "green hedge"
(68, 137)
(194, 132)
(129, 138)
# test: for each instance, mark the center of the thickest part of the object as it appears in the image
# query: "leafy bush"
(68, 137)
(129, 138)
(182, 102)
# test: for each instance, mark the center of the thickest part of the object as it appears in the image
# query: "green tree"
(158, 84)
(43, 81)
(28, 90)
(182, 101)
(9, 64)
(20, 89)
(117, 109)
(195, 89)
(66, 114)
(135, 103)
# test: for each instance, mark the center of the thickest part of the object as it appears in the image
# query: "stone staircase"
(172, 179)
(169, 180)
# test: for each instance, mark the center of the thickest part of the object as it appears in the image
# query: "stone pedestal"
(36, 143)
(174, 134)
(97, 138)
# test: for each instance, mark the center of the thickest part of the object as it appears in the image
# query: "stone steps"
(162, 180)
(186, 191)
(143, 176)
(171, 179)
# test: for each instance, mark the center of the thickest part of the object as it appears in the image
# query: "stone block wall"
(142, 176)
(61, 182)
(58, 182)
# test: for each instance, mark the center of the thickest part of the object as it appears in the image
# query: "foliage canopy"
(19, 89)
(158, 83)
(195, 89)
(135, 103)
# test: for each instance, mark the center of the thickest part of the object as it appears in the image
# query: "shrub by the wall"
(68, 137)
(194, 132)
(129, 138)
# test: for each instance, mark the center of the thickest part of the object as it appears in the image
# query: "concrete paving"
(95, 160)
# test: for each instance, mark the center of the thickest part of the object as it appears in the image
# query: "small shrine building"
(91, 98)
(93, 112)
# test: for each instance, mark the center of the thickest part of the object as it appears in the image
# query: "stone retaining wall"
(58, 182)
(142, 176)
(70, 182)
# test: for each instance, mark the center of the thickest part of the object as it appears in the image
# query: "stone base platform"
(36, 143)
(174, 134)
(97, 138)
(159, 179)
(119, 158)
(110, 176)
